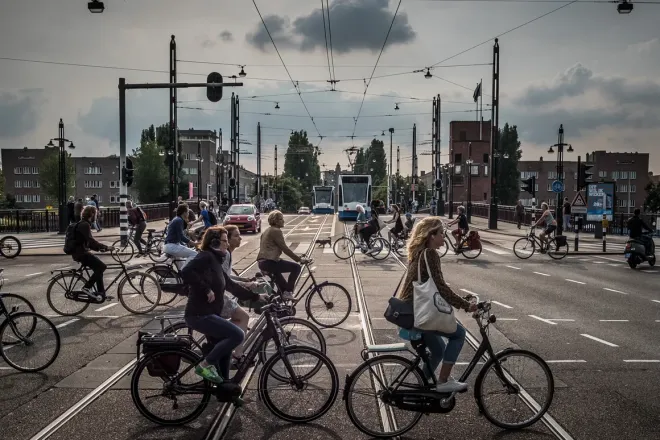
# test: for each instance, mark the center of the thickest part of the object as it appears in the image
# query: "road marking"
(514, 267)
(64, 324)
(584, 259)
(655, 301)
(495, 251)
(33, 274)
(577, 282)
(567, 361)
(500, 304)
(467, 291)
(614, 265)
(598, 340)
(507, 319)
(541, 273)
(598, 262)
(613, 320)
(615, 291)
(328, 250)
(561, 320)
(547, 321)
(648, 270)
(608, 258)
(100, 309)
(334, 222)
(639, 361)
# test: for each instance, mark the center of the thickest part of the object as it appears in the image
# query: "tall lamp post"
(389, 174)
(560, 174)
(61, 174)
(199, 172)
(469, 182)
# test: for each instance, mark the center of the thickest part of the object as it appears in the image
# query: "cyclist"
(398, 223)
(82, 243)
(372, 227)
(137, 219)
(207, 284)
(176, 241)
(636, 226)
(271, 246)
(463, 226)
(361, 219)
(548, 220)
(429, 234)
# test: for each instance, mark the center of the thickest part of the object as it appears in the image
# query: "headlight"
(227, 218)
(250, 218)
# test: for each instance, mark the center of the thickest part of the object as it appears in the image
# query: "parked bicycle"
(65, 295)
(466, 246)
(29, 342)
(557, 247)
(153, 248)
(398, 383)
(10, 246)
(282, 380)
(344, 247)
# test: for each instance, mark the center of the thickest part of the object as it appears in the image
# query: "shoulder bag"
(399, 312)
(432, 312)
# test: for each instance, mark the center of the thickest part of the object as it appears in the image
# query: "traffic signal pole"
(494, 138)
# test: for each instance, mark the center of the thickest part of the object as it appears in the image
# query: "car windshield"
(241, 210)
(304, 208)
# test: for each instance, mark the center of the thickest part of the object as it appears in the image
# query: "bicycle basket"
(474, 241)
(166, 365)
(560, 240)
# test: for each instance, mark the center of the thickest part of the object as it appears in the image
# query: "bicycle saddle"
(151, 230)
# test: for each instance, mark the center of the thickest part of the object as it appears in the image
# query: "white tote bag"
(432, 312)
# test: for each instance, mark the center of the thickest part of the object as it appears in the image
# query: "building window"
(17, 184)
(485, 172)
(458, 158)
(575, 187)
(93, 184)
(34, 170)
(536, 187)
(615, 175)
(602, 173)
(549, 187)
(552, 175)
(485, 158)
(114, 184)
(528, 174)
(633, 188)
(38, 184)
(632, 203)
(623, 175)
(458, 169)
(474, 170)
(622, 203)
(92, 170)
(462, 136)
(633, 175)
(623, 188)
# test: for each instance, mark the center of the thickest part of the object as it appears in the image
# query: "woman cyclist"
(429, 235)
(550, 224)
(398, 223)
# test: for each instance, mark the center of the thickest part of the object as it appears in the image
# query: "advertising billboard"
(600, 200)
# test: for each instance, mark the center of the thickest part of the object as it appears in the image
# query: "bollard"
(605, 225)
(577, 234)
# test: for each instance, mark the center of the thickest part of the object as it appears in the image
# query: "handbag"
(399, 312)
(432, 312)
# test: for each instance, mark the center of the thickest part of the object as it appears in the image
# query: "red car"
(246, 217)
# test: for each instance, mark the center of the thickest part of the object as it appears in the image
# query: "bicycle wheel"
(296, 331)
(124, 252)
(470, 253)
(10, 247)
(399, 247)
(555, 251)
(30, 342)
(300, 399)
(139, 292)
(520, 387)
(181, 328)
(61, 289)
(160, 398)
(169, 282)
(329, 304)
(15, 303)
(364, 390)
(524, 248)
(382, 248)
(156, 253)
(344, 248)
(442, 251)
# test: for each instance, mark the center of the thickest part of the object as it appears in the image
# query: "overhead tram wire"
(375, 66)
(324, 117)
(325, 36)
(332, 55)
(345, 66)
(285, 68)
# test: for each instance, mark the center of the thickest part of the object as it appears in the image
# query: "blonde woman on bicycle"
(550, 224)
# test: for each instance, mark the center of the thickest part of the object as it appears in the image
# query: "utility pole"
(398, 161)
(494, 137)
(469, 183)
(389, 174)
(437, 176)
(219, 163)
(173, 130)
(560, 175)
(123, 212)
(414, 161)
(275, 191)
(199, 172)
(258, 189)
(232, 152)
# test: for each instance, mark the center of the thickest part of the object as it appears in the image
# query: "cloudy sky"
(585, 66)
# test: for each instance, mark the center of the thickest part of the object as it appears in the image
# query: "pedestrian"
(520, 213)
(567, 214)
(77, 210)
(137, 219)
(70, 209)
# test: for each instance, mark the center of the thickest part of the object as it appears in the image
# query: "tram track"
(68, 415)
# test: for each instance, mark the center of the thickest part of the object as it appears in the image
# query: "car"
(304, 210)
(245, 216)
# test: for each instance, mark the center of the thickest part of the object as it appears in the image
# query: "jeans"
(277, 268)
(180, 251)
(137, 238)
(447, 353)
(567, 222)
(97, 266)
(222, 334)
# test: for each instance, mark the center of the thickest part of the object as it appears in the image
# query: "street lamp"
(62, 190)
(242, 73)
(560, 173)
(199, 172)
(95, 7)
(625, 7)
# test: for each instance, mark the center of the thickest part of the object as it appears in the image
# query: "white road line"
(334, 222)
(576, 282)
(567, 361)
(100, 309)
(639, 361)
(507, 319)
(615, 291)
(328, 250)
(101, 317)
(33, 274)
(541, 273)
(561, 320)
(598, 262)
(547, 321)
(500, 304)
(513, 267)
(467, 291)
(495, 250)
(584, 259)
(64, 324)
(648, 270)
(598, 340)
(614, 265)
(655, 301)
(613, 320)
(608, 258)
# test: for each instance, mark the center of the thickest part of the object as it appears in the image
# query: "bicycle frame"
(84, 272)
(451, 242)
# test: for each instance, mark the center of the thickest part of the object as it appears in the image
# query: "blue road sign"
(557, 186)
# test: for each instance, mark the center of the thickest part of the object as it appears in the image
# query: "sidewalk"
(105, 232)
(48, 244)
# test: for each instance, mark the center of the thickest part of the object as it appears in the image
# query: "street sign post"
(579, 205)
(557, 186)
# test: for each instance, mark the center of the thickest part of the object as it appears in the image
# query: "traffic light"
(214, 94)
(584, 175)
(438, 184)
(529, 186)
(232, 183)
(127, 172)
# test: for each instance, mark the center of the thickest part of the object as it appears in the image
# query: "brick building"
(546, 173)
(202, 142)
(466, 145)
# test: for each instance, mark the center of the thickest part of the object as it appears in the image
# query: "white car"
(304, 210)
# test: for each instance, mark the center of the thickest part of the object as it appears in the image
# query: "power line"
(332, 55)
(376, 65)
(285, 115)
(392, 66)
(325, 36)
(285, 68)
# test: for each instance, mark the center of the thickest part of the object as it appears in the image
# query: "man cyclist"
(463, 226)
(636, 226)
(176, 241)
(548, 220)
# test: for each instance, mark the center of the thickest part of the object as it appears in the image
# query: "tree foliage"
(372, 161)
(401, 193)
(301, 163)
(151, 175)
(508, 176)
(290, 194)
(49, 176)
(652, 202)
(161, 136)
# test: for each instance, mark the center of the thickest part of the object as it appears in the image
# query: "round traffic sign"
(557, 186)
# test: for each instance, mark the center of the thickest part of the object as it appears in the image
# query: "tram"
(324, 200)
(353, 190)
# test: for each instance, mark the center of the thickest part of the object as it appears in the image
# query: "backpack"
(144, 214)
(212, 218)
(70, 241)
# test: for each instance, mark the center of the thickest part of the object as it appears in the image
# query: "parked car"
(304, 210)
(245, 216)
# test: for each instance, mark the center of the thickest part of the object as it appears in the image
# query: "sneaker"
(92, 294)
(451, 386)
(287, 296)
(209, 373)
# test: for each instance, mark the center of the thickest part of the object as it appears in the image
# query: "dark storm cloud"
(20, 112)
(226, 36)
(356, 25)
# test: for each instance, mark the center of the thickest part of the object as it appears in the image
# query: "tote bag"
(432, 312)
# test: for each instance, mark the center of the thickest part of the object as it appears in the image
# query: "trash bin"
(598, 230)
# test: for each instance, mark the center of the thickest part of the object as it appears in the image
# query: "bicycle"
(330, 296)
(33, 332)
(168, 277)
(10, 246)
(409, 390)
(153, 248)
(163, 356)
(344, 247)
(463, 247)
(72, 281)
(558, 243)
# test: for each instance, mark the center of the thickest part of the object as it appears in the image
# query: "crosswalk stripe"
(328, 250)
(495, 250)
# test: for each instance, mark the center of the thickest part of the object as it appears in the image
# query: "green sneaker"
(209, 373)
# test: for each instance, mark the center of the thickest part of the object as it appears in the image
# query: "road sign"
(557, 186)
(579, 205)
(413, 187)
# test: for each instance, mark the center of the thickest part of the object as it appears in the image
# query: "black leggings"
(97, 266)
(368, 232)
(277, 268)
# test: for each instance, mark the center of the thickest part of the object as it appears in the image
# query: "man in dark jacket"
(636, 226)
(137, 220)
(77, 210)
(71, 210)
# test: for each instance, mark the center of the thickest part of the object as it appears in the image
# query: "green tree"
(372, 161)
(301, 161)
(151, 176)
(508, 176)
(161, 136)
(290, 194)
(49, 175)
(652, 202)
(2, 184)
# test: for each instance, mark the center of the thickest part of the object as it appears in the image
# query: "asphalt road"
(592, 318)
